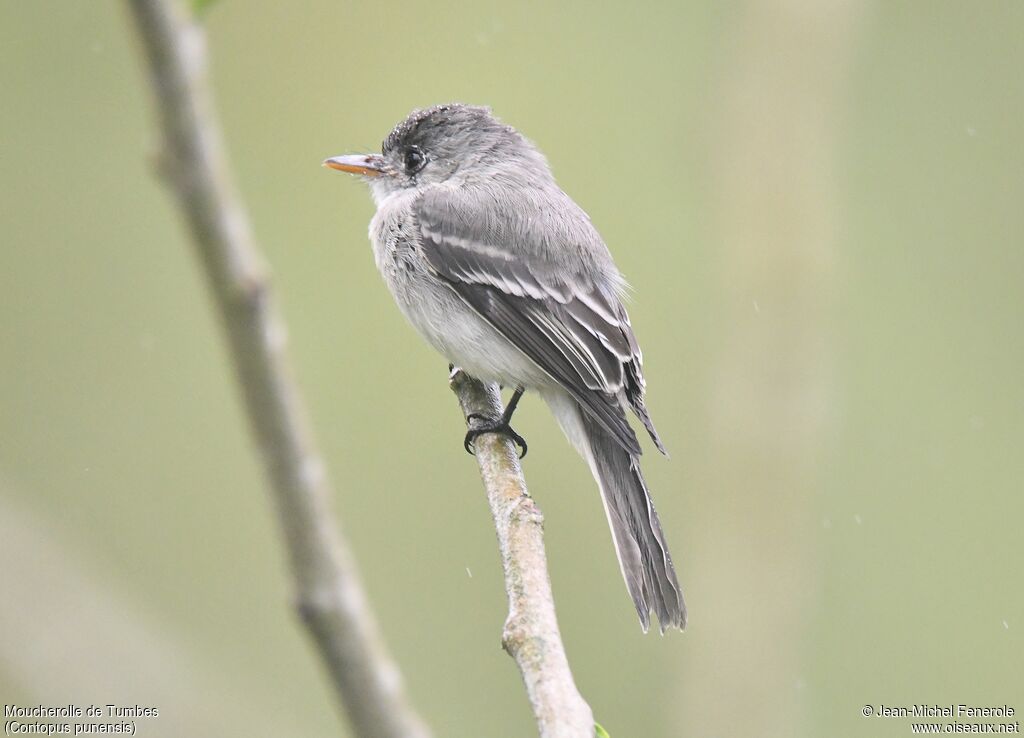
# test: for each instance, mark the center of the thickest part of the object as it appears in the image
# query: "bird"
(504, 274)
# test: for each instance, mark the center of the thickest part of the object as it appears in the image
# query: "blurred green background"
(819, 207)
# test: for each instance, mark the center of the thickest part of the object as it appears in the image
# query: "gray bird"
(503, 274)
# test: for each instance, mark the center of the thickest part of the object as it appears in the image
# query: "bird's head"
(454, 143)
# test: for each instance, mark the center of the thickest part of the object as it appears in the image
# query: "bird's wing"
(537, 271)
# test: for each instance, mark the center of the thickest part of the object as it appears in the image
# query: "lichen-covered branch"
(531, 634)
(330, 596)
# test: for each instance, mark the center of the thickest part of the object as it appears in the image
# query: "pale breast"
(447, 323)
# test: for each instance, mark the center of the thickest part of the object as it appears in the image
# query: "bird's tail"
(639, 542)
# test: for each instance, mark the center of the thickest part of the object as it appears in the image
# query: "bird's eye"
(414, 160)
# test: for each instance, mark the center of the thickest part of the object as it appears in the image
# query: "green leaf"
(600, 732)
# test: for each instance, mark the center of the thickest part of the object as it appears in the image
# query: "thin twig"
(330, 596)
(531, 634)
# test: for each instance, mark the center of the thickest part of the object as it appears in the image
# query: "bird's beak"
(368, 165)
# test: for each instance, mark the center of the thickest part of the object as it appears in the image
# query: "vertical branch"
(330, 596)
(531, 633)
(775, 197)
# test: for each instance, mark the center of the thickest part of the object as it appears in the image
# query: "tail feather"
(636, 530)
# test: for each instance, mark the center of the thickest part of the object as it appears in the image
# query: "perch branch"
(531, 634)
(330, 597)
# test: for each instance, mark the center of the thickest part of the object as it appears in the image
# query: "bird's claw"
(491, 426)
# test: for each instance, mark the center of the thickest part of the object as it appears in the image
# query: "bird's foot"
(490, 425)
